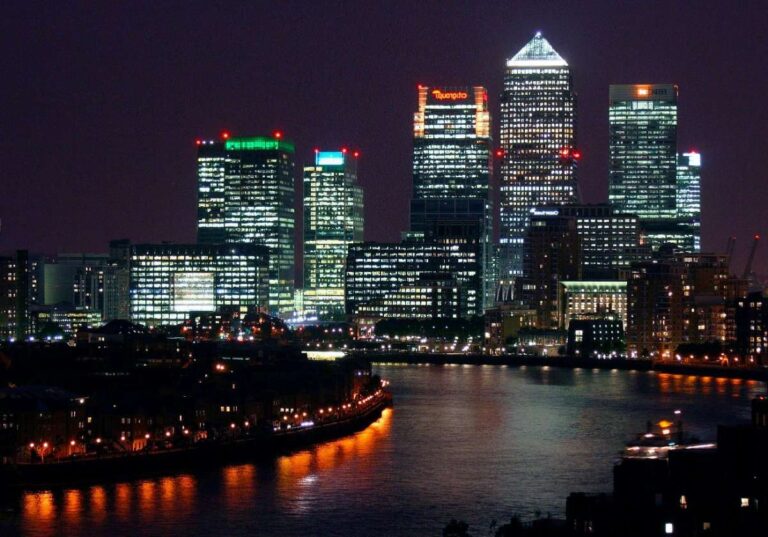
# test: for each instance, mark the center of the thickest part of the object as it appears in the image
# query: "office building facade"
(538, 142)
(452, 167)
(582, 299)
(552, 254)
(377, 270)
(432, 296)
(19, 289)
(689, 198)
(246, 196)
(333, 219)
(168, 282)
(606, 236)
(643, 159)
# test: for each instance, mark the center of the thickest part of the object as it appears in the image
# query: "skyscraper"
(246, 195)
(689, 197)
(451, 143)
(538, 143)
(333, 218)
(211, 174)
(643, 159)
(452, 166)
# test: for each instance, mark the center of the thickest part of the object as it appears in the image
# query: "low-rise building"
(590, 299)
(171, 281)
(595, 337)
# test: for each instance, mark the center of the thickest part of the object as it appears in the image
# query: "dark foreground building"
(720, 491)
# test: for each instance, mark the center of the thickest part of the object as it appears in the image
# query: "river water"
(479, 443)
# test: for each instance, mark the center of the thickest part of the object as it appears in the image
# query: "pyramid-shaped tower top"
(537, 53)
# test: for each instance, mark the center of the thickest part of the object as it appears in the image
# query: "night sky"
(101, 103)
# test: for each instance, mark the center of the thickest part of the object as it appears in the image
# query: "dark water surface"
(471, 442)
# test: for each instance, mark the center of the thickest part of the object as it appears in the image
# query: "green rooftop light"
(259, 143)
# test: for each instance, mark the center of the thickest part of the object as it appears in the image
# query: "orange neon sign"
(450, 95)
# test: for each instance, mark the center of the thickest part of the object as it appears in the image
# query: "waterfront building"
(689, 198)
(376, 270)
(643, 160)
(19, 289)
(605, 235)
(752, 326)
(452, 166)
(250, 181)
(503, 323)
(655, 309)
(681, 298)
(538, 143)
(168, 282)
(593, 299)
(333, 219)
(588, 337)
(552, 254)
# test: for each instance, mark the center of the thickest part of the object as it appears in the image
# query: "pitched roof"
(537, 53)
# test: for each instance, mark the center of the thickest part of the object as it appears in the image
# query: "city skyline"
(168, 189)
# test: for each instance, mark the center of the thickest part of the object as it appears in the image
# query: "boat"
(660, 438)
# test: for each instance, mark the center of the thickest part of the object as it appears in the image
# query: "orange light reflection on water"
(174, 499)
(298, 474)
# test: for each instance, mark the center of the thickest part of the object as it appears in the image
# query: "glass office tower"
(689, 197)
(643, 159)
(451, 143)
(333, 219)
(211, 173)
(452, 169)
(246, 195)
(538, 143)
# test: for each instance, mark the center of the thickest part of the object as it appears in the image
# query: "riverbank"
(570, 362)
(149, 463)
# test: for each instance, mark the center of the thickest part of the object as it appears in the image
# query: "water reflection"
(474, 442)
(173, 502)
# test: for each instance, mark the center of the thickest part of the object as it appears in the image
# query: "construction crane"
(748, 268)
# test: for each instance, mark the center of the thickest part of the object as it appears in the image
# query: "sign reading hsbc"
(449, 95)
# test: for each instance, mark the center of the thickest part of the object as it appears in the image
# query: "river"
(479, 443)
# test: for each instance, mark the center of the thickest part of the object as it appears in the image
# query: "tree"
(513, 529)
(456, 528)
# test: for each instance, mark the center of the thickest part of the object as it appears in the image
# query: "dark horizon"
(103, 103)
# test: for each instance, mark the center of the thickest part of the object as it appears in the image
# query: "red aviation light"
(499, 153)
(317, 150)
(576, 154)
(225, 135)
(344, 150)
(356, 154)
(278, 134)
(198, 142)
